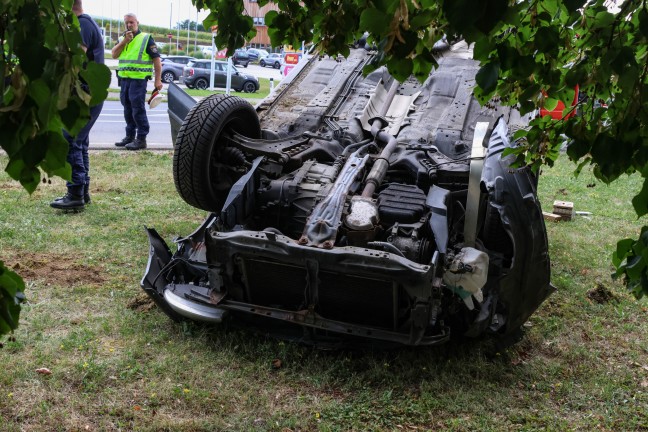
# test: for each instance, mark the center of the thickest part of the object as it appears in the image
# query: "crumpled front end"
(350, 207)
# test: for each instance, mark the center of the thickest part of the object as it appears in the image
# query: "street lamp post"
(170, 26)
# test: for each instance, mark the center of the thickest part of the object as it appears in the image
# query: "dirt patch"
(10, 186)
(56, 269)
(601, 294)
(141, 303)
(103, 189)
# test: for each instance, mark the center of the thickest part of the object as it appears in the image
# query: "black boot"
(125, 141)
(68, 202)
(137, 144)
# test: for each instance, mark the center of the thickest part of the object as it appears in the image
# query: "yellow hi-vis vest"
(134, 62)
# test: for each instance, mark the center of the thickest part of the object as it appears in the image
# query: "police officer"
(78, 188)
(138, 59)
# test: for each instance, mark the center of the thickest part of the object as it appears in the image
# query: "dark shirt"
(91, 38)
(151, 48)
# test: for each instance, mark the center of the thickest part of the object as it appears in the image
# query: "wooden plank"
(552, 217)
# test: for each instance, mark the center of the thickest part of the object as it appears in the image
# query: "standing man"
(78, 194)
(138, 59)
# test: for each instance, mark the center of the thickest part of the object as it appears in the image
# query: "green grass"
(119, 365)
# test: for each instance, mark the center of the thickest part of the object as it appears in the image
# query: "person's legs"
(124, 96)
(138, 104)
(137, 99)
(75, 159)
(84, 138)
(73, 200)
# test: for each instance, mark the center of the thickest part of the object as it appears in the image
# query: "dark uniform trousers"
(133, 98)
(78, 155)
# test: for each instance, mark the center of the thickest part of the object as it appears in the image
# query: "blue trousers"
(78, 154)
(133, 98)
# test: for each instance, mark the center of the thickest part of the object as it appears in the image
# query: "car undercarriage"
(346, 207)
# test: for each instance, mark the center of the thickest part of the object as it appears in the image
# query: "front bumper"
(348, 291)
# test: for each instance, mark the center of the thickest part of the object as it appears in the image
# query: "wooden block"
(552, 217)
(564, 209)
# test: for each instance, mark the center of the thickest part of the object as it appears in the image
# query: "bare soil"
(55, 269)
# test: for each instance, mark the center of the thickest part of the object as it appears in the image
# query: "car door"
(220, 75)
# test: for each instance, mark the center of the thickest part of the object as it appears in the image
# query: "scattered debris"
(44, 371)
(565, 209)
(601, 294)
(551, 217)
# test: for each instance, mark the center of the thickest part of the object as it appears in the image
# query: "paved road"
(110, 127)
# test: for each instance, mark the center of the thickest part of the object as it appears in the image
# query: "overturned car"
(347, 207)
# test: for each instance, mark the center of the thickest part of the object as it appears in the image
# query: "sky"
(149, 12)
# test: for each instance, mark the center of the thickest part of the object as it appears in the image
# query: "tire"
(262, 63)
(202, 172)
(201, 84)
(277, 65)
(249, 87)
(168, 77)
(245, 65)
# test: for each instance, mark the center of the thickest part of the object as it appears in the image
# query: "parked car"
(179, 59)
(273, 60)
(173, 67)
(257, 54)
(334, 224)
(196, 75)
(241, 57)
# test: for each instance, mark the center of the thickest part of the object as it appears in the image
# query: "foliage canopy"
(43, 65)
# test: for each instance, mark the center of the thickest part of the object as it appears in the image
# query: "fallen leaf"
(137, 408)
(276, 363)
(44, 371)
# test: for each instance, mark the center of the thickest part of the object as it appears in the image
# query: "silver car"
(173, 66)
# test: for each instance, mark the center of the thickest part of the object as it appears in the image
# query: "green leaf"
(64, 90)
(39, 92)
(550, 104)
(374, 21)
(573, 5)
(547, 39)
(603, 20)
(55, 161)
(623, 247)
(487, 77)
(640, 201)
(11, 296)
(98, 78)
(643, 22)
(401, 69)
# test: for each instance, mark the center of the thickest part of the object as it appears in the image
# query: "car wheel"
(262, 63)
(201, 84)
(245, 65)
(168, 77)
(277, 65)
(249, 87)
(204, 169)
